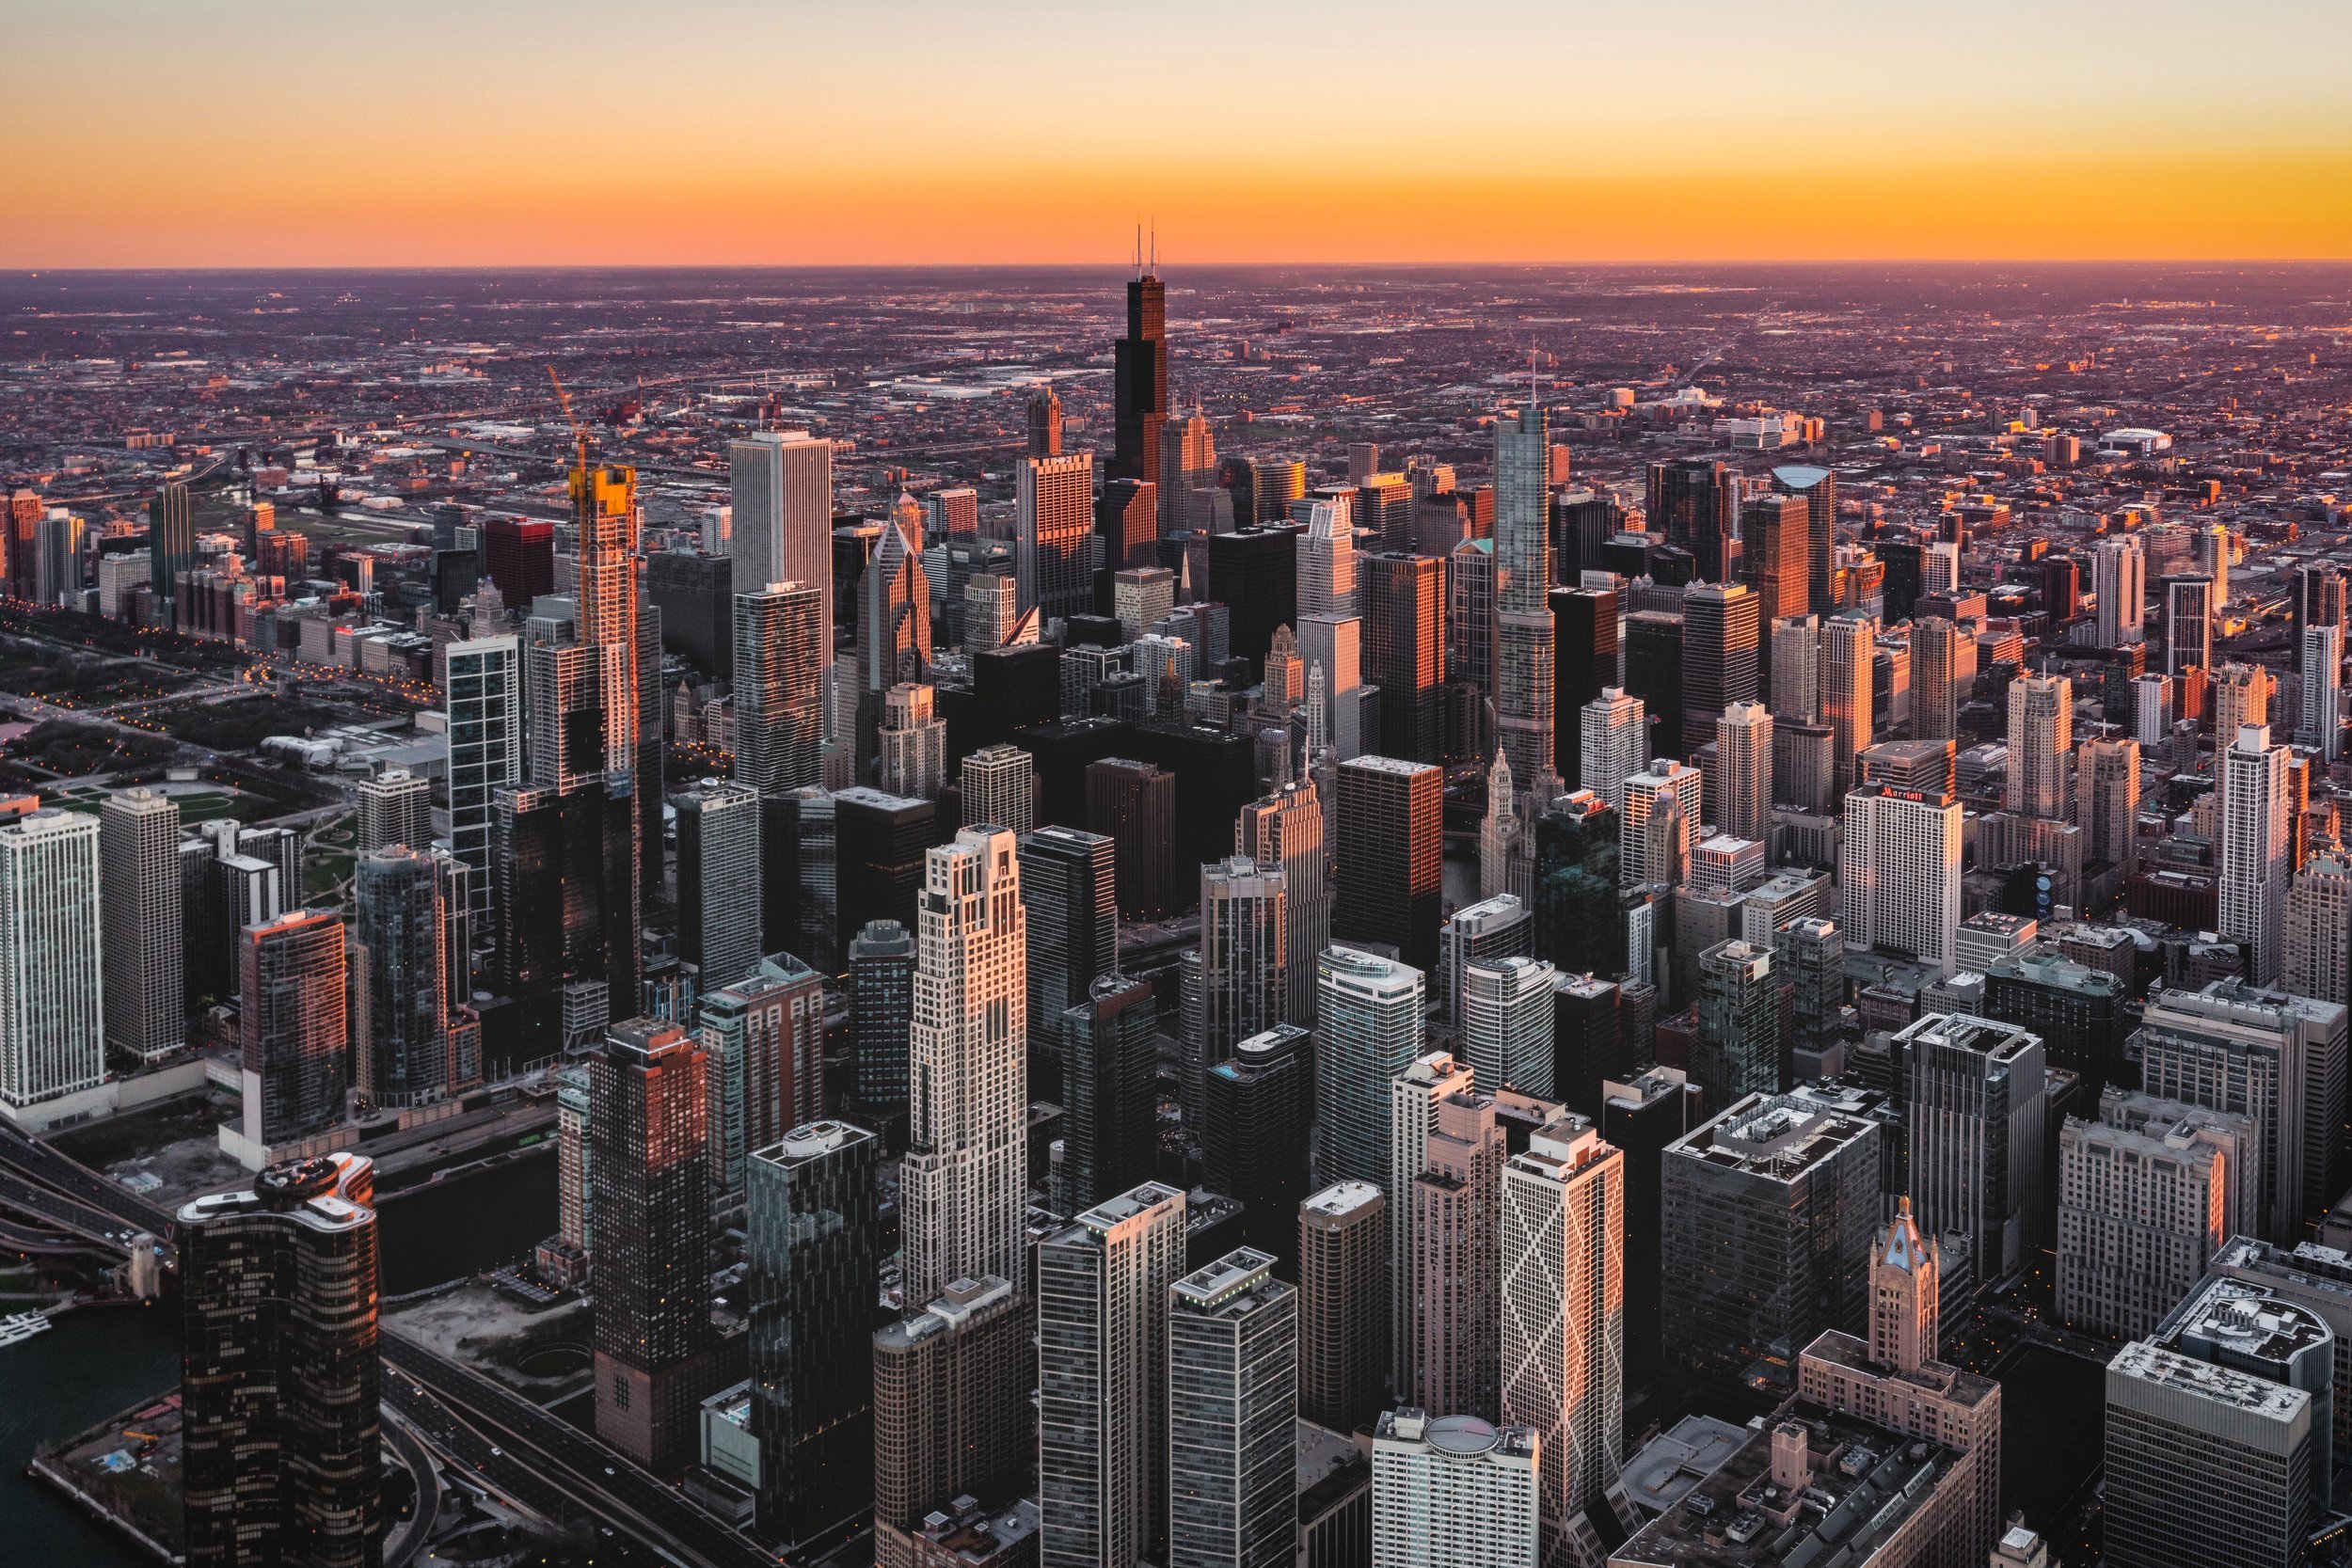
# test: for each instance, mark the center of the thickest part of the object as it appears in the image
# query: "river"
(100, 1362)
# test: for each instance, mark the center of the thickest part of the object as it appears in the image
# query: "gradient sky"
(267, 132)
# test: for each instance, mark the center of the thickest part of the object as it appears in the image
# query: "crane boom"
(579, 432)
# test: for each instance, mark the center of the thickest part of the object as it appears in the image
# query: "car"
(497, 1453)
(610, 1471)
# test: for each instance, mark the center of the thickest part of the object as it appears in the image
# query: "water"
(93, 1364)
(465, 1225)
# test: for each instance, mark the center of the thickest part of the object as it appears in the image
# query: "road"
(428, 1510)
(572, 1471)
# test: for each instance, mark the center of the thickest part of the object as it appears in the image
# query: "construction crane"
(579, 432)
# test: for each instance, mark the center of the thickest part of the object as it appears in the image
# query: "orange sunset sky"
(264, 133)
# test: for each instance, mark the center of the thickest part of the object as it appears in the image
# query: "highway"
(573, 1472)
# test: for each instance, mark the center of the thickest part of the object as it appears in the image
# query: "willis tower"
(1139, 371)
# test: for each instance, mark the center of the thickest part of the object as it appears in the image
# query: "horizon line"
(83, 269)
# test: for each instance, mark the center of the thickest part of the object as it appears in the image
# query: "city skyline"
(2183, 134)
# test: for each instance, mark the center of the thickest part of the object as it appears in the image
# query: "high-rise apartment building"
(1942, 667)
(1978, 1122)
(1257, 1114)
(1233, 1411)
(1563, 1343)
(1457, 1284)
(281, 1427)
(2320, 663)
(1744, 779)
(1454, 1492)
(650, 1179)
(1056, 497)
(1243, 976)
(295, 1032)
(894, 627)
(1343, 1304)
(2318, 948)
(2041, 776)
(1102, 1286)
(1505, 1009)
(2106, 801)
(717, 880)
(2147, 1194)
(1899, 873)
(1775, 553)
(812, 1246)
(1412, 1095)
(2118, 578)
(952, 1385)
(143, 947)
(763, 1043)
(1768, 1213)
(1390, 853)
(1371, 1012)
(965, 1182)
(401, 1045)
(2254, 854)
(395, 807)
(1615, 744)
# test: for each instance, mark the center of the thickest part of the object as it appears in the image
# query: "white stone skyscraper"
(2255, 853)
(1563, 1342)
(1524, 651)
(1500, 852)
(964, 1182)
(2041, 747)
(138, 848)
(1453, 1492)
(53, 1031)
(1412, 1099)
(1000, 789)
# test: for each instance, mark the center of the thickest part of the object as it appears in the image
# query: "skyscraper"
(1232, 1405)
(138, 850)
(1719, 631)
(2041, 776)
(717, 880)
(1343, 1304)
(1659, 824)
(1899, 873)
(964, 1180)
(1056, 523)
(763, 1043)
(1133, 805)
(170, 548)
(1524, 672)
(1846, 643)
(1371, 1026)
(1405, 650)
(1615, 746)
(2107, 773)
(999, 787)
(2119, 576)
(1768, 1213)
(1140, 377)
(1978, 1119)
(952, 1385)
(1044, 424)
(1110, 1091)
(1563, 1342)
(1068, 890)
(1774, 552)
(1454, 1492)
(1506, 1014)
(280, 1435)
(1943, 667)
(649, 1174)
(1102, 1432)
(2188, 610)
(295, 1038)
(1695, 502)
(399, 1036)
(1187, 463)
(1738, 1051)
(1743, 759)
(882, 1014)
(484, 708)
(1457, 1284)
(893, 626)
(779, 700)
(2148, 1193)
(1391, 842)
(813, 1249)
(1285, 832)
(395, 807)
(2321, 660)
(1245, 962)
(914, 743)
(1818, 486)
(2254, 862)
(1410, 1096)
(782, 484)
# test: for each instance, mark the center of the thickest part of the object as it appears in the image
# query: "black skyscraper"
(1111, 1093)
(1584, 634)
(1139, 374)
